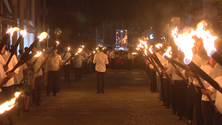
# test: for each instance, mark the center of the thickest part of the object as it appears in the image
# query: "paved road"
(127, 101)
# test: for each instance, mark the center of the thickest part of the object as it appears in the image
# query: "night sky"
(78, 19)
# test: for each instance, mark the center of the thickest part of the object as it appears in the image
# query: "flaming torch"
(24, 58)
(56, 44)
(185, 42)
(208, 41)
(7, 36)
(13, 50)
(8, 105)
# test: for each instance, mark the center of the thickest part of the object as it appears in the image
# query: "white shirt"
(2, 60)
(11, 65)
(101, 60)
(171, 70)
(19, 76)
(108, 53)
(39, 62)
(162, 61)
(2, 74)
(213, 73)
(67, 56)
(53, 63)
(218, 98)
(198, 61)
(78, 61)
(112, 55)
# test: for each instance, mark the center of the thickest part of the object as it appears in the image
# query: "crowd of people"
(183, 93)
(44, 70)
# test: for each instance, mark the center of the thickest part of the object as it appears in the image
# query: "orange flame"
(38, 54)
(151, 49)
(159, 45)
(68, 48)
(8, 105)
(12, 30)
(79, 51)
(208, 38)
(168, 52)
(42, 36)
(23, 33)
(185, 42)
(57, 43)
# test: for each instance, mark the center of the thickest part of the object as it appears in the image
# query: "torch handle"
(154, 66)
(208, 96)
(13, 50)
(4, 40)
(64, 55)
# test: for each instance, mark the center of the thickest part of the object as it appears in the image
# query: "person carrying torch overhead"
(8, 88)
(37, 78)
(66, 55)
(52, 66)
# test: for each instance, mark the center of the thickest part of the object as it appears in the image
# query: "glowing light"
(12, 30)
(207, 37)
(8, 105)
(38, 54)
(57, 43)
(168, 52)
(68, 48)
(159, 45)
(23, 33)
(43, 50)
(79, 51)
(42, 36)
(134, 53)
(185, 42)
(151, 49)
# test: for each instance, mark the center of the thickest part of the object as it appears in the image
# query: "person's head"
(26, 49)
(212, 62)
(3, 49)
(200, 50)
(54, 52)
(100, 49)
(20, 51)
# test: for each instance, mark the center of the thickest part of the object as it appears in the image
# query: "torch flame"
(208, 38)
(38, 54)
(43, 50)
(83, 46)
(8, 105)
(134, 53)
(68, 48)
(159, 45)
(23, 33)
(42, 36)
(12, 30)
(151, 49)
(185, 42)
(57, 43)
(79, 51)
(168, 52)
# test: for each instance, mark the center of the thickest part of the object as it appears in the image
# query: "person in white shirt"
(194, 97)
(78, 66)
(217, 118)
(67, 66)
(180, 86)
(213, 70)
(101, 60)
(38, 76)
(112, 59)
(52, 68)
(8, 88)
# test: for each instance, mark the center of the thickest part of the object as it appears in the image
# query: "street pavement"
(127, 101)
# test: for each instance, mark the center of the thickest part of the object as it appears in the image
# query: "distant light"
(151, 36)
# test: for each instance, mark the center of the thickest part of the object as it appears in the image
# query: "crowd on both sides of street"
(180, 90)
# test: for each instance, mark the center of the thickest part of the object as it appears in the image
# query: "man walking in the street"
(101, 60)
(66, 55)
